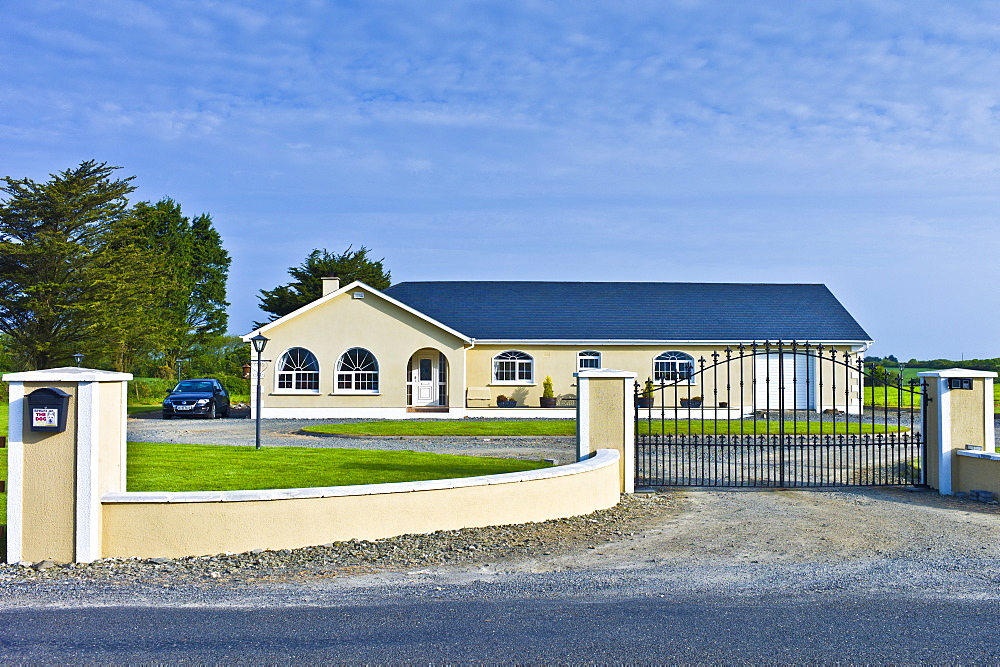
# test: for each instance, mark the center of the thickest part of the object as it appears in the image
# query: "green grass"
(451, 427)
(168, 467)
(133, 409)
(710, 427)
(3, 419)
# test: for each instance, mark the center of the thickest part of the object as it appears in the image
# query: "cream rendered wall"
(173, 528)
(389, 332)
(560, 362)
(49, 489)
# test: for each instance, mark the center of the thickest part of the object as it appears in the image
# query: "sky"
(853, 144)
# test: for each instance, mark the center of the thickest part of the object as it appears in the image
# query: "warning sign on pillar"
(44, 417)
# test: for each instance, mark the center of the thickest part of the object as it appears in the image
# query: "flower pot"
(547, 402)
(506, 404)
(644, 402)
(690, 403)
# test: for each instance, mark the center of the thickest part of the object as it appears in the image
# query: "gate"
(777, 415)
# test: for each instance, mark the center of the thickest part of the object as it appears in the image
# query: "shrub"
(547, 391)
(148, 390)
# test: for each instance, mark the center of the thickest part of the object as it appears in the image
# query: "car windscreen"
(194, 385)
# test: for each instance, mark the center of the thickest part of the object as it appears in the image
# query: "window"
(513, 367)
(357, 370)
(298, 370)
(673, 366)
(588, 360)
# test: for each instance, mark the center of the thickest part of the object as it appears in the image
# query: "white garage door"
(789, 374)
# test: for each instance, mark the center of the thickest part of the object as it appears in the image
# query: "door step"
(430, 408)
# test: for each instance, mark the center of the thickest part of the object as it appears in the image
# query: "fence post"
(958, 414)
(605, 418)
(56, 478)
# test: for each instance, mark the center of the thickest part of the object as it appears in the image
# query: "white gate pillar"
(605, 418)
(55, 479)
(958, 413)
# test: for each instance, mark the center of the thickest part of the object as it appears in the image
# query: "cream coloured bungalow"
(450, 349)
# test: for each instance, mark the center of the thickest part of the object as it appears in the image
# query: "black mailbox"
(47, 408)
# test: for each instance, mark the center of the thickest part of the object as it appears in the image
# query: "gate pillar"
(958, 414)
(605, 418)
(61, 458)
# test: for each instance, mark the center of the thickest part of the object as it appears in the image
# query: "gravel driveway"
(148, 427)
(735, 542)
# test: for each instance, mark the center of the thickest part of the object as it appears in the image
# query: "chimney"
(330, 284)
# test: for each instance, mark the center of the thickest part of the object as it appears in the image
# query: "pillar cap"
(605, 373)
(67, 374)
(957, 373)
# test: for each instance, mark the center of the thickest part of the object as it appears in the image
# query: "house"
(449, 349)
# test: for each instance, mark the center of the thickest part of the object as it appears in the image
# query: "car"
(201, 397)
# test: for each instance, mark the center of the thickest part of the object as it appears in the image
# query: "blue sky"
(852, 144)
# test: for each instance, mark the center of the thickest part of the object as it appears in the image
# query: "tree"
(124, 307)
(50, 237)
(308, 284)
(197, 266)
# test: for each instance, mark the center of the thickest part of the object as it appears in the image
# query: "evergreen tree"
(50, 237)
(349, 266)
(192, 256)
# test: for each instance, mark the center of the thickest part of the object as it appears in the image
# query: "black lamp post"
(79, 358)
(259, 341)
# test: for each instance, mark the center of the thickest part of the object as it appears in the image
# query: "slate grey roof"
(633, 311)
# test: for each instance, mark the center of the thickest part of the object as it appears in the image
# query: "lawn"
(762, 427)
(450, 427)
(168, 467)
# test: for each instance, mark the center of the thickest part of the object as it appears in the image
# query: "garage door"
(785, 380)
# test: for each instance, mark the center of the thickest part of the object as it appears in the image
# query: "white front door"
(424, 379)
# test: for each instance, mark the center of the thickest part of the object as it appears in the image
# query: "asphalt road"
(712, 630)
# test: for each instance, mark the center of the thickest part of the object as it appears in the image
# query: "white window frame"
(521, 363)
(588, 355)
(673, 376)
(295, 375)
(356, 374)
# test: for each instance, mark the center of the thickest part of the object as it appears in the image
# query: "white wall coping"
(957, 373)
(606, 373)
(602, 459)
(976, 454)
(67, 374)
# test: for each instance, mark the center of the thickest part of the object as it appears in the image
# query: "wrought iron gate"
(779, 415)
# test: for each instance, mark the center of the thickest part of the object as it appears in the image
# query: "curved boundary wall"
(200, 523)
(67, 498)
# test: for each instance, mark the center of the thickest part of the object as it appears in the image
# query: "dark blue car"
(202, 398)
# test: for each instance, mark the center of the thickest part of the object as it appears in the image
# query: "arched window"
(357, 370)
(298, 370)
(673, 366)
(588, 360)
(513, 367)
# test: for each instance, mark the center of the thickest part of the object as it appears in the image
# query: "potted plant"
(548, 399)
(694, 402)
(645, 399)
(504, 402)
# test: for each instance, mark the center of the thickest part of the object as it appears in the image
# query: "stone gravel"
(672, 542)
(239, 431)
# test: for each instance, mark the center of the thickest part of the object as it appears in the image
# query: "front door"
(424, 379)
